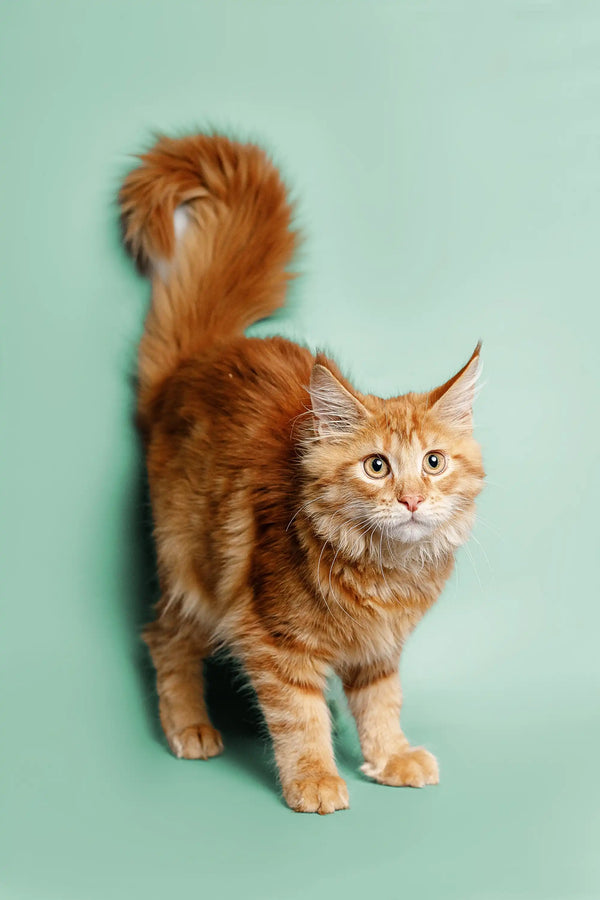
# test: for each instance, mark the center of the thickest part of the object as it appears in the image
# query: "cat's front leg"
(375, 699)
(291, 694)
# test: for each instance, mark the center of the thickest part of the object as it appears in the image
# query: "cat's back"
(222, 462)
(237, 403)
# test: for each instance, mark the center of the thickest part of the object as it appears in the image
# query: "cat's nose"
(411, 501)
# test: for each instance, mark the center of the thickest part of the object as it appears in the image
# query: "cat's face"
(399, 471)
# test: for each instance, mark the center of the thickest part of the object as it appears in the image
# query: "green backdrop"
(445, 158)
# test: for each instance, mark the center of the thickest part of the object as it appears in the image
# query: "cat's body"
(277, 535)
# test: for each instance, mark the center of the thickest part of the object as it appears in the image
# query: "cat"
(302, 525)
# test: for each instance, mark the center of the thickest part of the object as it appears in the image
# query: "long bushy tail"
(208, 219)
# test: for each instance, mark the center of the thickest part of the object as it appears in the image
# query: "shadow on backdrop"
(232, 704)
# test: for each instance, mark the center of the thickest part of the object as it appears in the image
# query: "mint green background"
(446, 160)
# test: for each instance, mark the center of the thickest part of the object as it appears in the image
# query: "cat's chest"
(369, 615)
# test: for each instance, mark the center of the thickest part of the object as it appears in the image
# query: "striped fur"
(272, 539)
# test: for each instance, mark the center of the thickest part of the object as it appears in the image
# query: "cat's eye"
(434, 463)
(376, 466)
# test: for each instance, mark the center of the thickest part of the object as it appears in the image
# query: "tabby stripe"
(275, 679)
(367, 679)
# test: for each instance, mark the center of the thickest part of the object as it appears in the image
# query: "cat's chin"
(409, 532)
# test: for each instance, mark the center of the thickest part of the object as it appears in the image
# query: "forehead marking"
(404, 451)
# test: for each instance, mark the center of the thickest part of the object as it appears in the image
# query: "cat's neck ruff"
(363, 546)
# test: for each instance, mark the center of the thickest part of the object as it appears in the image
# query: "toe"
(197, 742)
(415, 767)
(323, 795)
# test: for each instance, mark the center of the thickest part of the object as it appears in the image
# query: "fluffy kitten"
(301, 524)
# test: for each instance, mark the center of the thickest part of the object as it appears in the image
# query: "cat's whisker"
(343, 608)
(472, 561)
(456, 575)
(297, 513)
(358, 541)
(381, 561)
(479, 520)
(364, 527)
(307, 411)
(393, 595)
(319, 570)
(483, 550)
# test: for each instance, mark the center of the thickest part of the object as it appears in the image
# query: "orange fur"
(273, 539)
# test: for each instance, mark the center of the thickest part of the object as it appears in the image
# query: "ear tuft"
(337, 412)
(453, 401)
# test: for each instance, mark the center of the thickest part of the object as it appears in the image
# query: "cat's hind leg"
(178, 648)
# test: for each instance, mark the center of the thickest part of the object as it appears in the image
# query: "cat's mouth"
(409, 530)
(406, 529)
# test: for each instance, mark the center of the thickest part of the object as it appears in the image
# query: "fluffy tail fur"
(208, 219)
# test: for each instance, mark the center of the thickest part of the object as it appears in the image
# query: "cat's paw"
(196, 742)
(414, 767)
(321, 794)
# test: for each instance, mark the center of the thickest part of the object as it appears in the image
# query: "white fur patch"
(180, 222)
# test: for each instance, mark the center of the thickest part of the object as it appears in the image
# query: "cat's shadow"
(232, 705)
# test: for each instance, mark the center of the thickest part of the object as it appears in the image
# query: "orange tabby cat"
(301, 524)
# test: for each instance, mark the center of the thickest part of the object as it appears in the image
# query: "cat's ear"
(453, 401)
(337, 412)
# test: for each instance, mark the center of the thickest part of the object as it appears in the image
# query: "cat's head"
(400, 472)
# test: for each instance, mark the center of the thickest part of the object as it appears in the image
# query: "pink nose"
(411, 501)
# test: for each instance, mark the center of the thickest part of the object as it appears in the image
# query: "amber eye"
(434, 463)
(376, 466)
